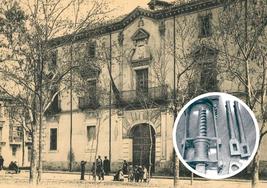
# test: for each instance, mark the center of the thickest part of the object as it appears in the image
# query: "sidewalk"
(72, 179)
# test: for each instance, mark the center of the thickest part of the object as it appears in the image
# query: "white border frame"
(226, 95)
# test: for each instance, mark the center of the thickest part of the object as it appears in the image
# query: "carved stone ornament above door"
(140, 34)
(141, 54)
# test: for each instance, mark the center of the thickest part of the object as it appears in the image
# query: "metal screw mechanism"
(201, 142)
(202, 122)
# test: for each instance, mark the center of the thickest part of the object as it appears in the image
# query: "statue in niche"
(141, 22)
(141, 52)
(120, 38)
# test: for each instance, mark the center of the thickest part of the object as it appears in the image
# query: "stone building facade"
(15, 143)
(142, 52)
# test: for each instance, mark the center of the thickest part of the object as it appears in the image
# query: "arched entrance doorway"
(143, 145)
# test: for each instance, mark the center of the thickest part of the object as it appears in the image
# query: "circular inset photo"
(216, 135)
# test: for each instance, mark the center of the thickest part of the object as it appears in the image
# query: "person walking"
(93, 170)
(82, 169)
(99, 168)
(1, 162)
(106, 164)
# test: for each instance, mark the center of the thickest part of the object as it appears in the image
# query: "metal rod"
(175, 158)
(215, 132)
(239, 122)
(71, 108)
(110, 90)
(233, 143)
(245, 151)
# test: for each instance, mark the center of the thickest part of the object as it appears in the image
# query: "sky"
(126, 6)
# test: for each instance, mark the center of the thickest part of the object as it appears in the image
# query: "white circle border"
(245, 163)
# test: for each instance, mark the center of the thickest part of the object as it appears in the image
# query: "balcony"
(89, 102)
(153, 95)
(15, 140)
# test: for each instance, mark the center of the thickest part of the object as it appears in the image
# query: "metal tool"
(233, 143)
(197, 150)
(245, 151)
(201, 142)
(234, 166)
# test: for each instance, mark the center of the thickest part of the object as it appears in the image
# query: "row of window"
(205, 30)
(90, 135)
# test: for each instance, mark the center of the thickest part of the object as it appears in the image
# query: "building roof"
(124, 20)
(160, 3)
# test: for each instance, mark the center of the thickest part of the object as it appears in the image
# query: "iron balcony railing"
(153, 94)
(88, 102)
(15, 139)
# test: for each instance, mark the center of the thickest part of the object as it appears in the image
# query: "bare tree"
(27, 30)
(184, 47)
(241, 42)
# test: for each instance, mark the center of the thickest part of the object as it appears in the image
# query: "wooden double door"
(144, 145)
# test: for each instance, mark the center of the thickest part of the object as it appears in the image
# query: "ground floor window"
(53, 139)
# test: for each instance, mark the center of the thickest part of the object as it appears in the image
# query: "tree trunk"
(255, 170)
(150, 152)
(36, 159)
(23, 145)
(33, 167)
(192, 178)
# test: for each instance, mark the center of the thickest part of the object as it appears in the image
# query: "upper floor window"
(14, 150)
(205, 71)
(53, 139)
(91, 49)
(90, 133)
(205, 29)
(92, 88)
(55, 105)
(1, 132)
(142, 81)
(53, 60)
(1, 110)
(29, 153)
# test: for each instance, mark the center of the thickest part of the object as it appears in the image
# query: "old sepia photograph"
(90, 91)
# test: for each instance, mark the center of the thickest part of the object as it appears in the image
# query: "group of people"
(11, 167)
(100, 168)
(138, 174)
(135, 173)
